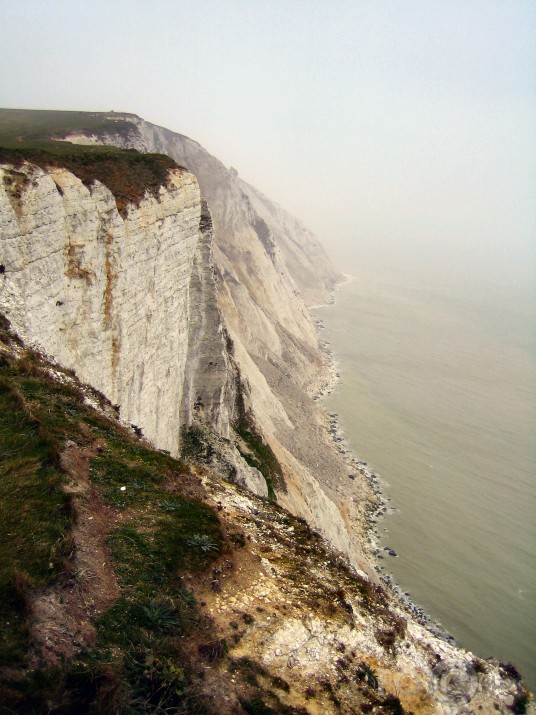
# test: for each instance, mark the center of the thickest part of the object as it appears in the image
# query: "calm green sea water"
(438, 395)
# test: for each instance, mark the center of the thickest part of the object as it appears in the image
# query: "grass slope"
(38, 128)
(159, 532)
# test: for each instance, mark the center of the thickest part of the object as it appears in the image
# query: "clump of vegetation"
(388, 637)
(520, 704)
(128, 174)
(237, 538)
(479, 665)
(392, 704)
(254, 449)
(511, 671)
(194, 446)
(258, 454)
(214, 650)
(202, 542)
(368, 675)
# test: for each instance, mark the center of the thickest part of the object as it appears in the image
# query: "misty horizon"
(403, 135)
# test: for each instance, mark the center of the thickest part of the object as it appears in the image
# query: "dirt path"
(61, 615)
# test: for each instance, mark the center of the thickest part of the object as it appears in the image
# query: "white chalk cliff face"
(269, 269)
(113, 298)
(167, 316)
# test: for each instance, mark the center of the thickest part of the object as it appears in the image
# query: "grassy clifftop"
(40, 128)
(34, 136)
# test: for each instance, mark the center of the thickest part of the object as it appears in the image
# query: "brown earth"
(61, 616)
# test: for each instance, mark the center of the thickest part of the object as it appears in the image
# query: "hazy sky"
(403, 132)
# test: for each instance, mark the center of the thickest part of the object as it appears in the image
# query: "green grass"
(139, 662)
(258, 454)
(255, 450)
(140, 636)
(34, 127)
(35, 517)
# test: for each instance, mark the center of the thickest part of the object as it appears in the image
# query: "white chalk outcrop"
(128, 303)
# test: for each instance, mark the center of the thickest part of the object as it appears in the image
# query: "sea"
(437, 393)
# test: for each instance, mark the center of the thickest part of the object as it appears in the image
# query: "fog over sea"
(438, 393)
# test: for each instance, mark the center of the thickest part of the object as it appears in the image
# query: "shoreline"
(373, 481)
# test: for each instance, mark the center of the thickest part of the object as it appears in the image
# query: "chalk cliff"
(160, 308)
(269, 269)
(110, 297)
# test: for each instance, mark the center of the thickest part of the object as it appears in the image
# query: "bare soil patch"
(62, 614)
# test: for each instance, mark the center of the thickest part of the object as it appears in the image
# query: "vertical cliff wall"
(122, 301)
